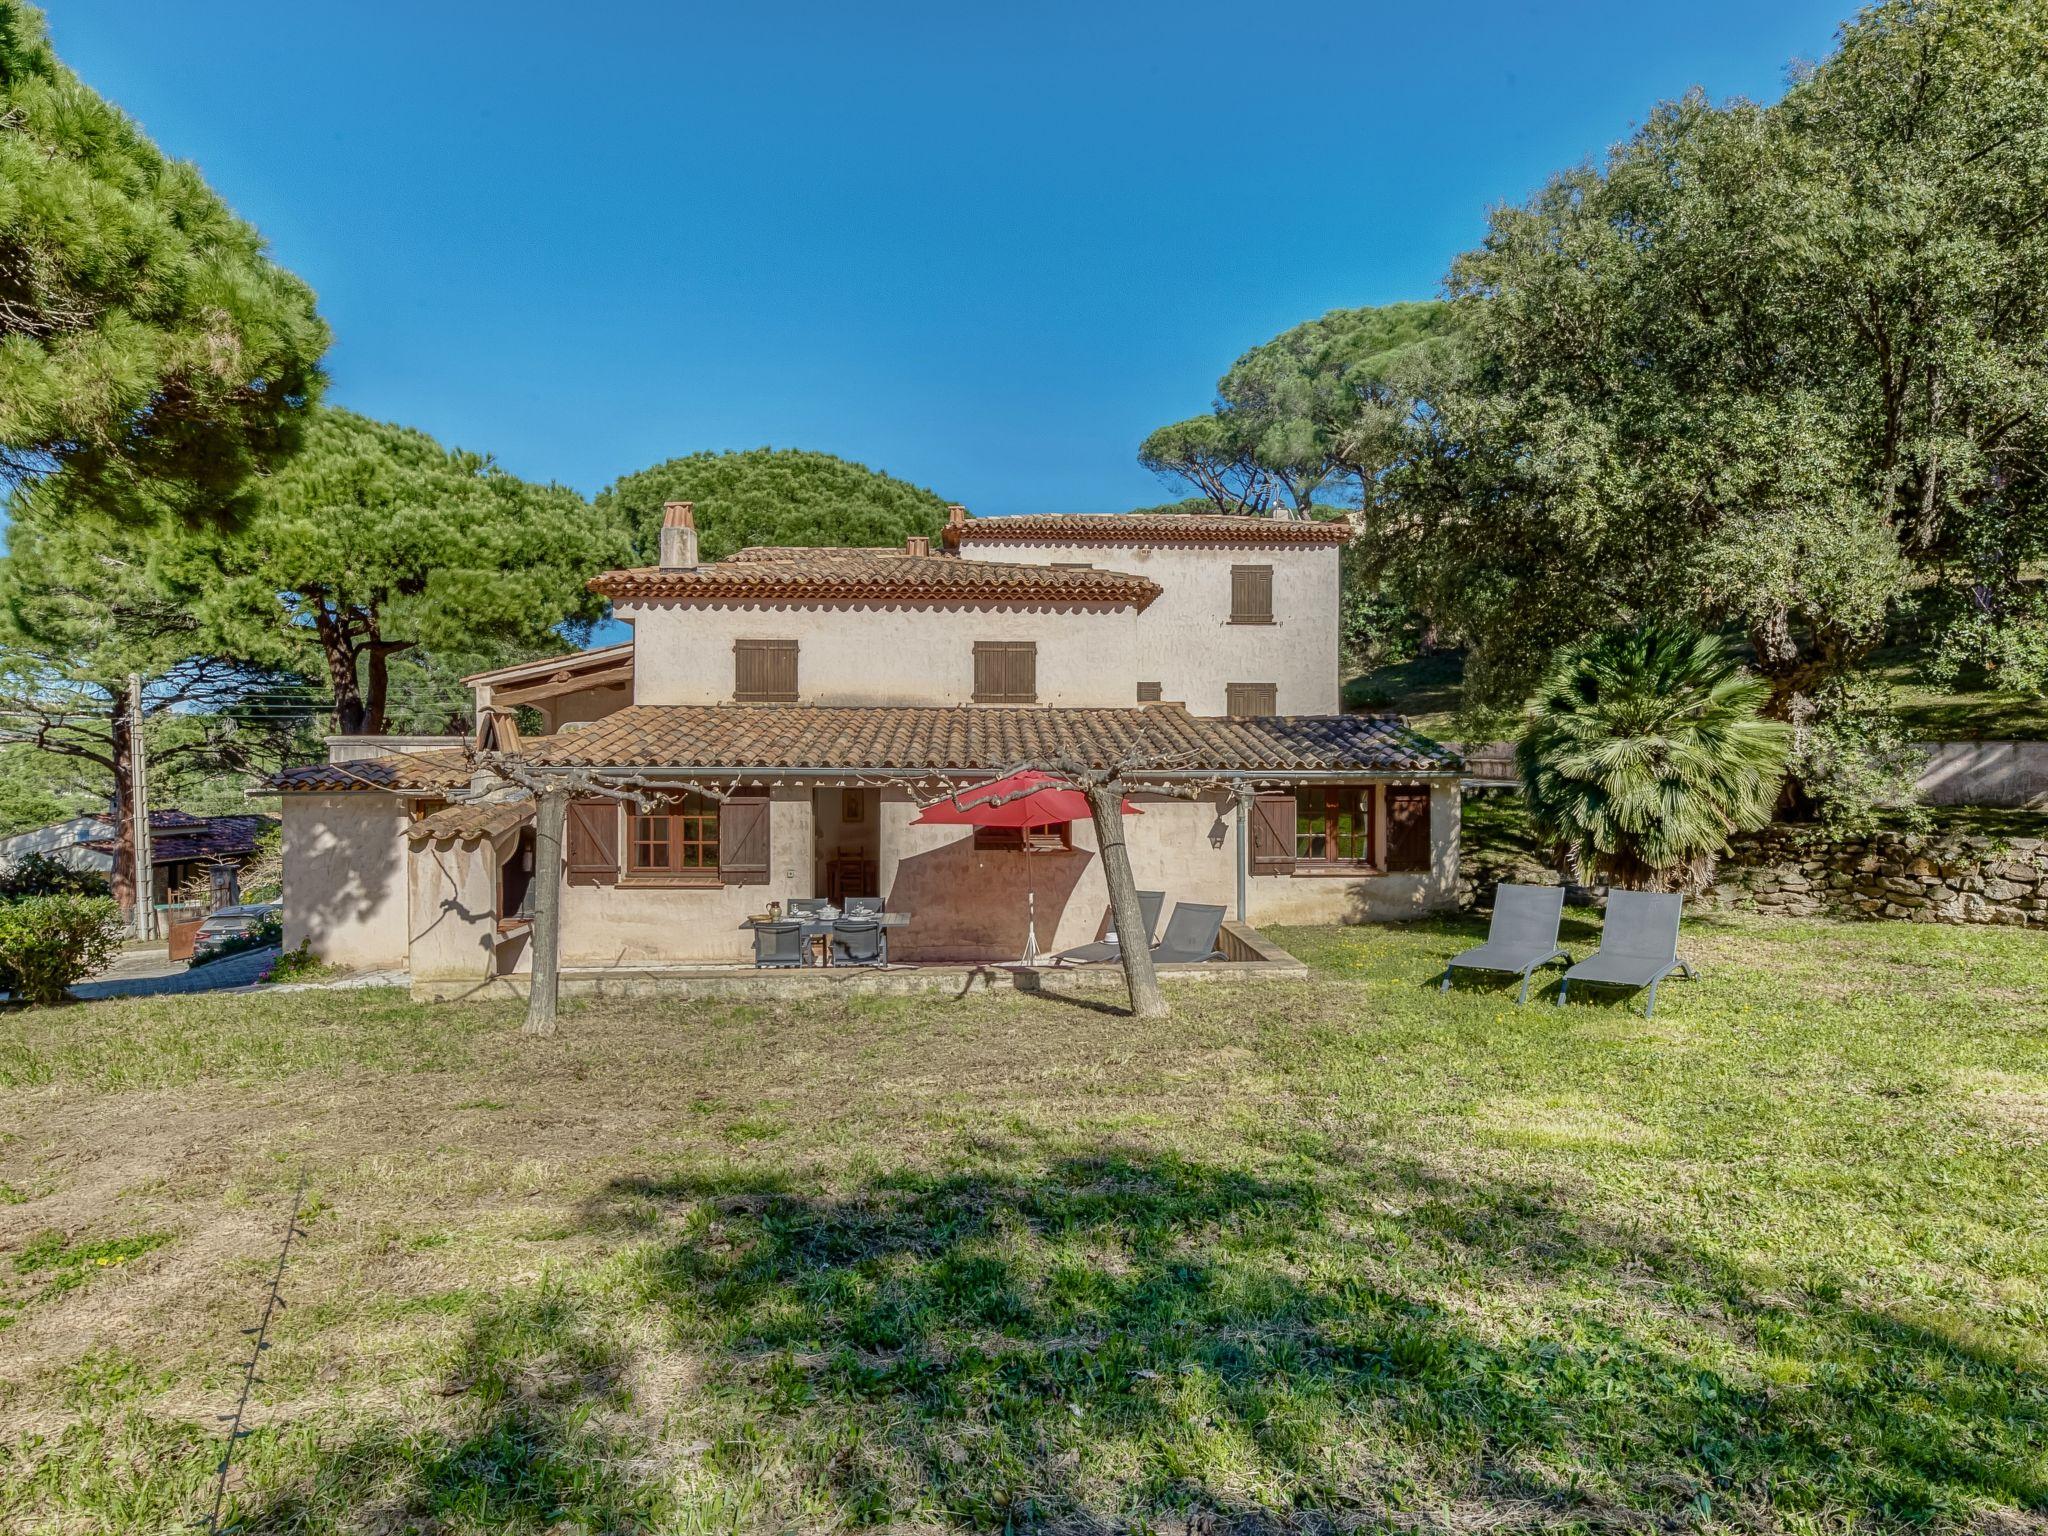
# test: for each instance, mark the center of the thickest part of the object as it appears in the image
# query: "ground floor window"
(680, 839)
(515, 879)
(1333, 825)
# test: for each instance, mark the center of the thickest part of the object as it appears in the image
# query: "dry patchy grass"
(1339, 1252)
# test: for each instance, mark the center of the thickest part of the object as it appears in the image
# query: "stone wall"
(1920, 877)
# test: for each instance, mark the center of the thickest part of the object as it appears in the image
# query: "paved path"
(148, 974)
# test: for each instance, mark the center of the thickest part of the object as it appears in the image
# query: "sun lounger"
(1522, 938)
(1638, 945)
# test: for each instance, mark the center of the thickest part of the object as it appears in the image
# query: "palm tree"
(1643, 750)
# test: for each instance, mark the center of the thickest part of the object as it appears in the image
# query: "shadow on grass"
(1111, 1340)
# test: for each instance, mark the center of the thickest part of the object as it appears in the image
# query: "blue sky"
(986, 248)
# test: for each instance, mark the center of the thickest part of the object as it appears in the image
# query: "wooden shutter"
(1407, 826)
(1245, 701)
(1148, 693)
(764, 671)
(743, 841)
(593, 842)
(1251, 594)
(1272, 818)
(1006, 672)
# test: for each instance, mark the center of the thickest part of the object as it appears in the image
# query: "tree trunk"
(1105, 807)
(551, 815)
(376, 698)
(123, 878)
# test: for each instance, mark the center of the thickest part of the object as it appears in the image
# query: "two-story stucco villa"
(797, 707)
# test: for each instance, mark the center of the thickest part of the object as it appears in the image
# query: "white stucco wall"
(345, 878)
(872, 654)
(963, 904)
(1185, 640)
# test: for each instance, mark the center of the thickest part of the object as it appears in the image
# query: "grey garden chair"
(1190, 935)
(1522, 938)
(863, 906)
(859, 941)
(779, 946)
(1638, 945)
(1149, 903)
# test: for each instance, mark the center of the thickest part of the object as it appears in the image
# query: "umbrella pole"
(1030, 907)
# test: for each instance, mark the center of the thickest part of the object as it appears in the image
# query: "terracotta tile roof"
(463, 823)
(416, 771)
(733, 736)
(875, 576)
(1150, 528)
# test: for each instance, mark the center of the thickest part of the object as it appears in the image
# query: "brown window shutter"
(1247, 701)
(1272, 818)
(743, 841)
(593, 842)
(1408, 827)
(1006, 672)
(764, 671)
(1148, 693)
(1251, 594)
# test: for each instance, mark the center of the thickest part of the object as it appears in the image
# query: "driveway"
(150, 973)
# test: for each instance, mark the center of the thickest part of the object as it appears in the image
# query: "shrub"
(1643, 750)
(299, 964)
(37, 874)
(48, 942)
(1856, 759)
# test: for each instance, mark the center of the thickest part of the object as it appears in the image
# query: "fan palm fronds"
(1643, 750)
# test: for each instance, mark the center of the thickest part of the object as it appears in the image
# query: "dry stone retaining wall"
(1917, 877)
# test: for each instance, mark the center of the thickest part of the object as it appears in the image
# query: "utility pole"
(138, 809)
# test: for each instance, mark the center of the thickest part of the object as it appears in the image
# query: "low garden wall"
(1799, 871)
(1927, 877)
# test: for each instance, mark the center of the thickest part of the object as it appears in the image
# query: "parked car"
(229, 930)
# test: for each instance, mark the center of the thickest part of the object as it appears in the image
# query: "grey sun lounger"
(1522, 938)
(1638, 945)
(1149, 903)
(1190, 936)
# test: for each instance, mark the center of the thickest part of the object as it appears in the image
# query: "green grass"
(1345, 1250)
(1424, 689)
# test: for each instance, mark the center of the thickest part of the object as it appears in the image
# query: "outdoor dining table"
(816, 927)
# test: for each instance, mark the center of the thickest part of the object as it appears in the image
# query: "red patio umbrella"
(1028, 799)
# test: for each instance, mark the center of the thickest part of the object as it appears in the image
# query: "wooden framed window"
(1148, 693)
(764, 671)
(1333, 826)
(515, 879)
(1054, 837)
(1249, 701)
(1251, 594)
(1006, 672)
(676, 843)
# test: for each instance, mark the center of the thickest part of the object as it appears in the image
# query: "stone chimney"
(678, 536)
(955, 515)
(917, 544)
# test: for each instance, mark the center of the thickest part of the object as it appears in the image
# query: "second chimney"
(678, 536)
(917, 544)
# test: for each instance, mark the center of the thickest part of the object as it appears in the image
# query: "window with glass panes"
(1333, 825)
(681, 840)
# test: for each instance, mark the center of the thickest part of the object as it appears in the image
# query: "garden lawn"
(1777, 1260)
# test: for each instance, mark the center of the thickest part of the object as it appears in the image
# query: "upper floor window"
(1005, 672)
(1251, 594)
(1251, 701)
(764, 671)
